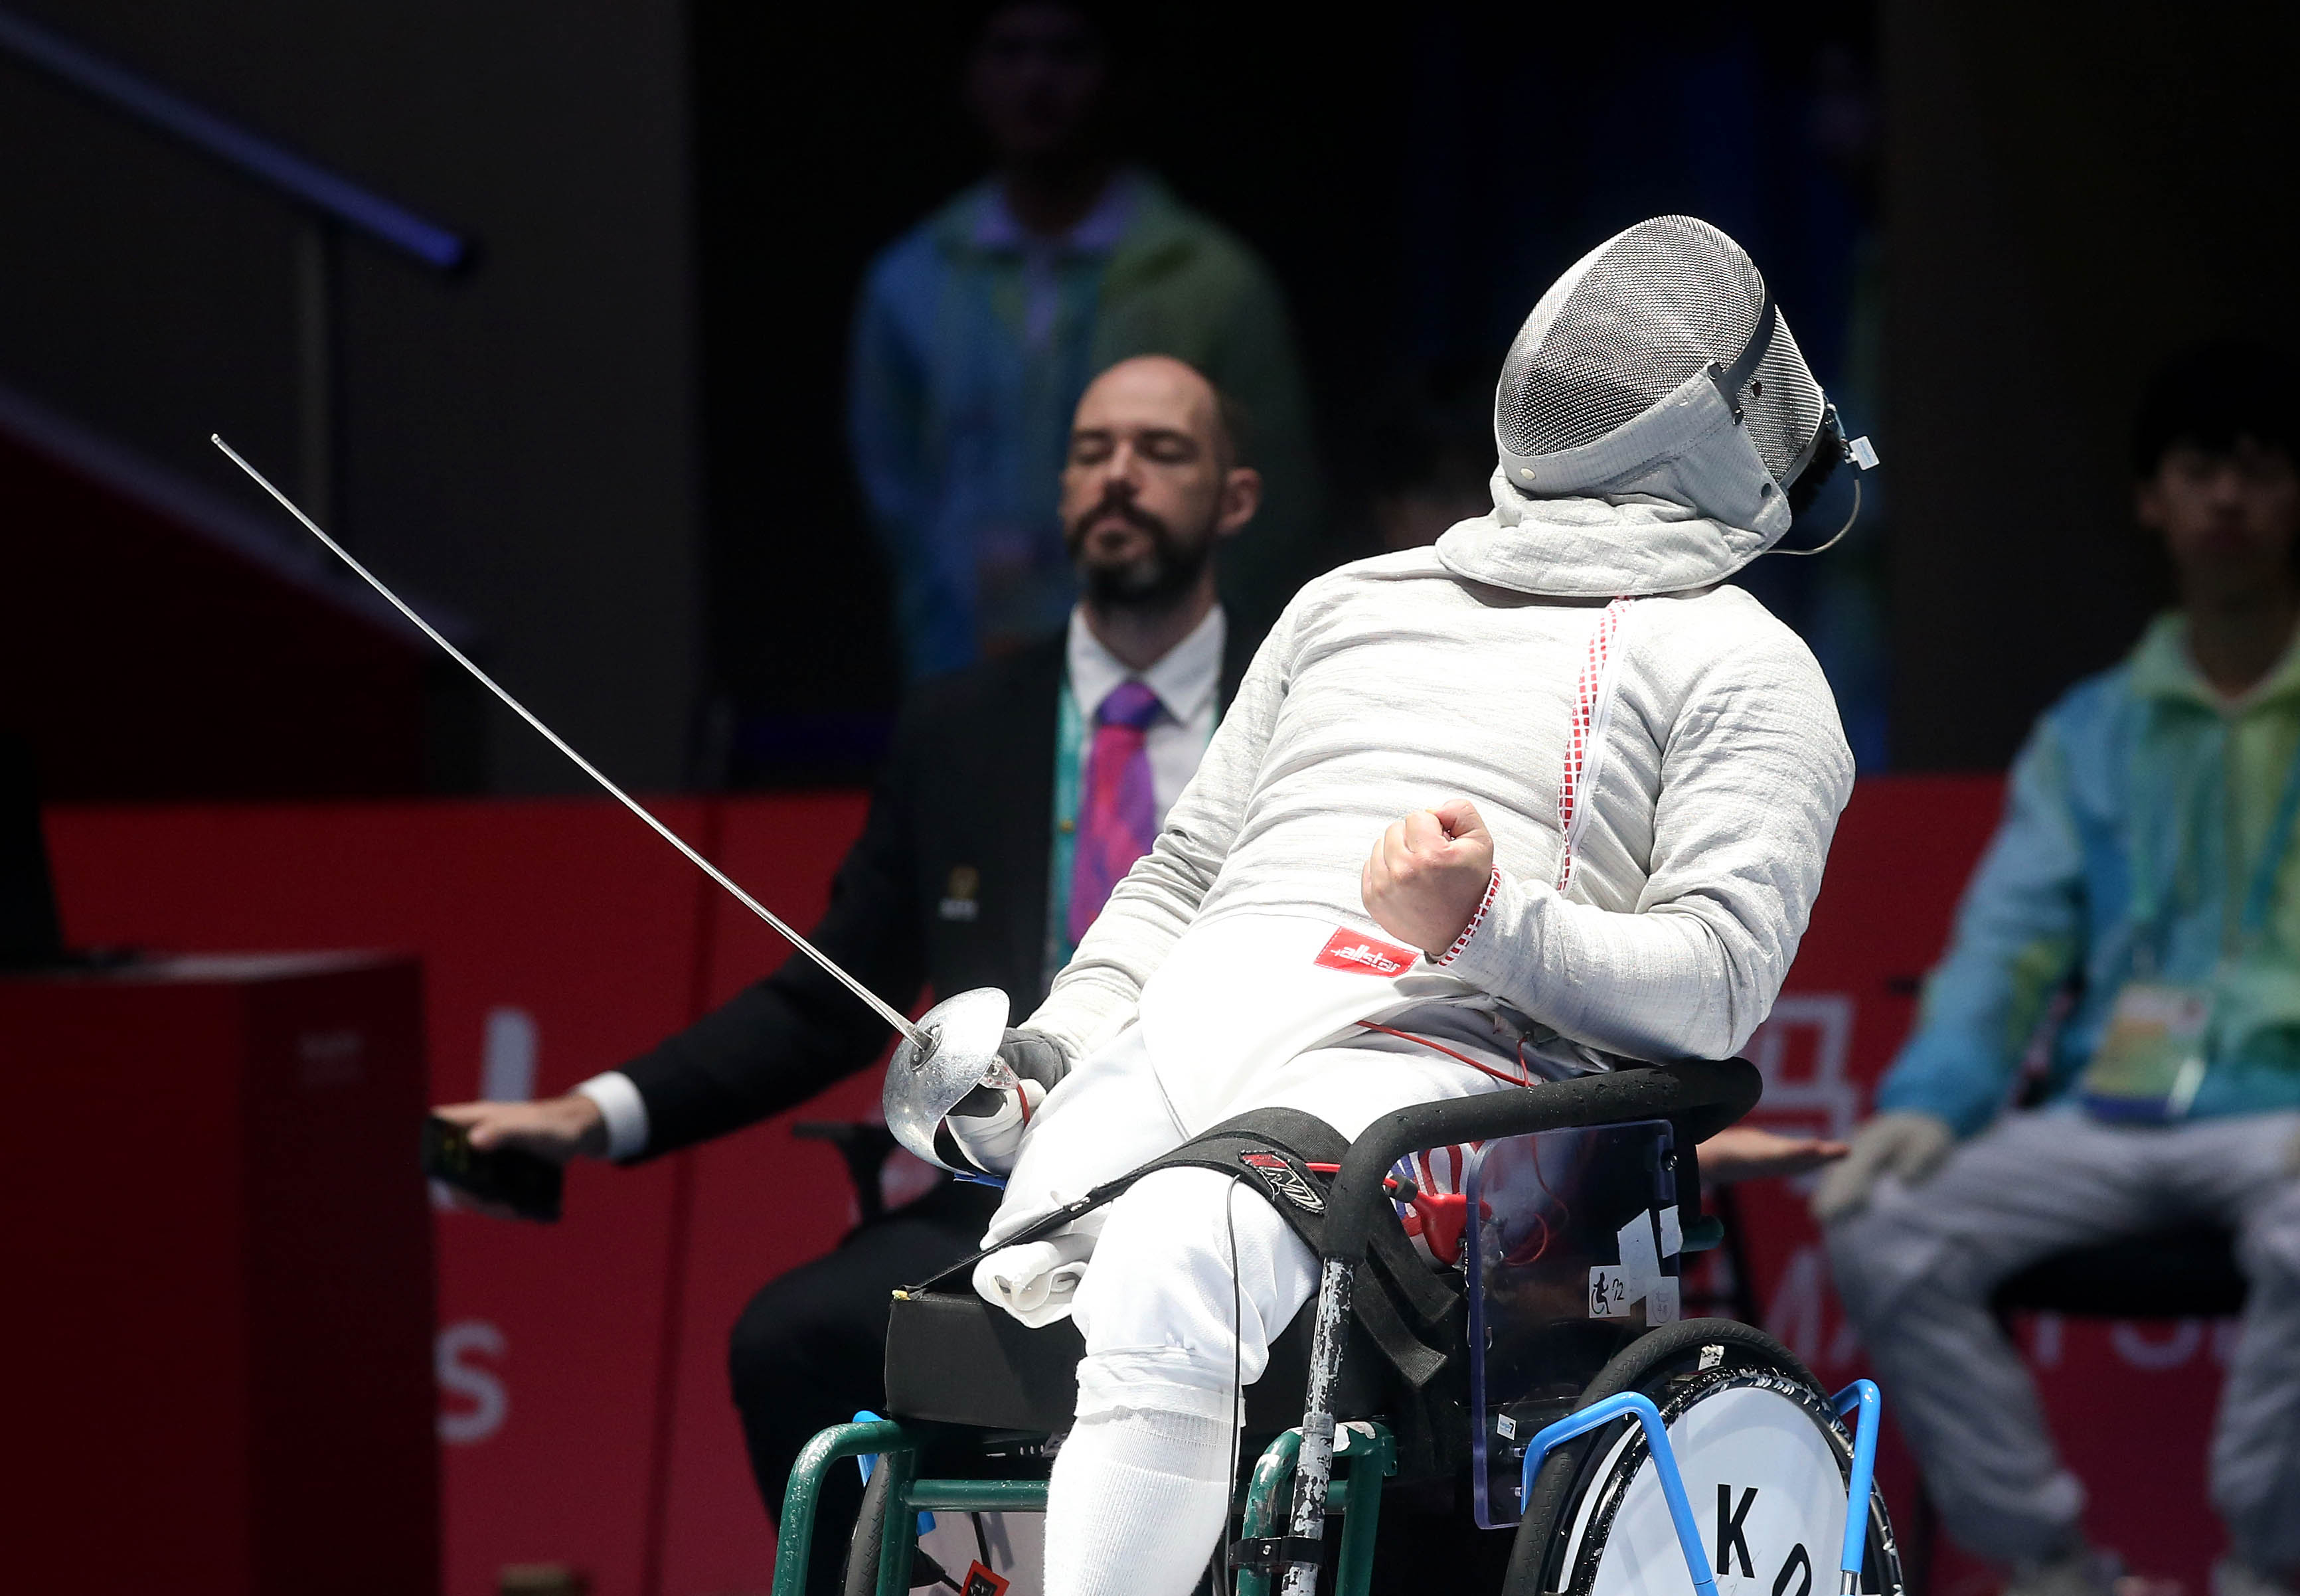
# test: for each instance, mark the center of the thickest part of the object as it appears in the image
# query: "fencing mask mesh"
(1633, 320)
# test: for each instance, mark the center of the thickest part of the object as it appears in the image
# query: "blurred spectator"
(977, 330)
(1016, 793)
(2145, 880)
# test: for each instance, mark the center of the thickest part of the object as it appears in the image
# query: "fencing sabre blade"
(950, 1051)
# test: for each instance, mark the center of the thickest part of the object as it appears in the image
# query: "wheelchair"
(1625, 1449)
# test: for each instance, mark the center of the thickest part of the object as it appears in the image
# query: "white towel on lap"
(1034, 1282)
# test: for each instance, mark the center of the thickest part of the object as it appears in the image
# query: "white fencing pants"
(1916, 1267)
(1174, 1321)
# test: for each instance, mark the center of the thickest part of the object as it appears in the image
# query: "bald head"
(1173, 390)
(1152, 483)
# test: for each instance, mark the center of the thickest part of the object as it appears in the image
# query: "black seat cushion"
(2189, 1272)
(953, 1359)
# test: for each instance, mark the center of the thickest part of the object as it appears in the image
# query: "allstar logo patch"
(1367, 955)
(1284, 1179)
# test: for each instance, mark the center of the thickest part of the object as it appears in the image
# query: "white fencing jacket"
(1661, 774)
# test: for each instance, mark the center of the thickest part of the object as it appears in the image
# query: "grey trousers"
(1916, 1266)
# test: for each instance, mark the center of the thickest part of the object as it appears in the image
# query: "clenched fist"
(1428, 874)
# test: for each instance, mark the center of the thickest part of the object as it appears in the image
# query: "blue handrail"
(303, 180)
(1862, 1394)
(1672, 1484)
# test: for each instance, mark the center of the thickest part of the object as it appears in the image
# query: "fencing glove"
(988, 1121)
(1900, 1142)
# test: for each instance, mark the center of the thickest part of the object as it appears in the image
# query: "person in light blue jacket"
(979, 328)
(2133, 938)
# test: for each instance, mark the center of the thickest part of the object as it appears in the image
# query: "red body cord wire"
(1523, 1078)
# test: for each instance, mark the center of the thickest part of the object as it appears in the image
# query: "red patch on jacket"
(1367, 955)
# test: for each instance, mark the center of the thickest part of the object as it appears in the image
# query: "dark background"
(2069, 198)
(613, 449)
(519, 442)
(1412, 184)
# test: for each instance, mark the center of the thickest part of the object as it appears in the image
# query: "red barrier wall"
(215, 1219)
(2129, 1403)
(583, 1404)
(565, 923)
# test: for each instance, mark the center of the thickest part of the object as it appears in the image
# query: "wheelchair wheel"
(860, 1575)
(1765, 1464)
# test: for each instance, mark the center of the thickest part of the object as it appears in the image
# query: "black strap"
(1271, 1150)
(1409, 1277)
(1299, 1139)
(1031, 1233)
(1272, 1554)
(1414, 1357)
(1829, 426)
(1731, 379)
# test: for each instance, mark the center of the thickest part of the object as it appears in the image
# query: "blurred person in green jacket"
(979, 328)
(2144, 886)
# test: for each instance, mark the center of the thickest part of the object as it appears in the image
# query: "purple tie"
(1118, 811)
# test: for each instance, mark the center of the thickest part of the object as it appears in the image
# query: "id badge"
(2151, 1058)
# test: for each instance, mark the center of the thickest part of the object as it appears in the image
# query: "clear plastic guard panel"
(1574, 1251)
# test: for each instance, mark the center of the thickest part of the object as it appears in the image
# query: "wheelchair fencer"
(1626, 1450)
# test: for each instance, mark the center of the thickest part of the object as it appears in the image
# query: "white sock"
(1137, 1503)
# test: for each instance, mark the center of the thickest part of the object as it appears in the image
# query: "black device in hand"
(521, 1182)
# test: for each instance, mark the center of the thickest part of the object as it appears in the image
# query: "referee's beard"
(1149, 580)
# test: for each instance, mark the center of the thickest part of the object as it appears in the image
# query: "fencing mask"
(1659, 364)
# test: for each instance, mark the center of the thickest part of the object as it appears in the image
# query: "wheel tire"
(1662, 1364)
(860, 1575)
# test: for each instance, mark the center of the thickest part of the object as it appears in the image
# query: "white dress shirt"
(1186, 679)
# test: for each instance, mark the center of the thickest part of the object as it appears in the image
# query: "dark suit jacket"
(945, 888)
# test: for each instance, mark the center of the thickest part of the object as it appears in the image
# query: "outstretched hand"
(556, 1128)
(1748, 1152)
(1428, 874)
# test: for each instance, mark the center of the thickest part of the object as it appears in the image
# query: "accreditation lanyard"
(1070, 781)
(2153, 1047)
(2154, 889)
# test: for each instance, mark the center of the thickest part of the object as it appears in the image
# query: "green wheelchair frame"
(1287, 1527)
(1364, 1445)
